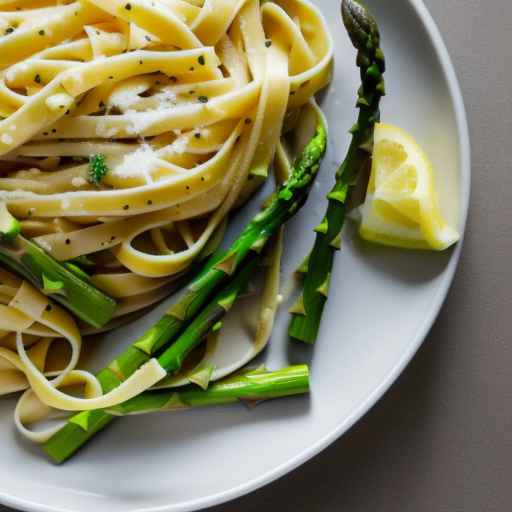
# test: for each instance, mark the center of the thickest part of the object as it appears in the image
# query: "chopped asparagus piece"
(253, 385)
(53, 278)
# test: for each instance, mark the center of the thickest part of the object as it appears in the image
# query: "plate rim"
(438, 301)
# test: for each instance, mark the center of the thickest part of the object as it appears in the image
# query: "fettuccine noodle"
(186, 100)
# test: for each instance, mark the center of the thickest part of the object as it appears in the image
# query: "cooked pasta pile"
(185, 99)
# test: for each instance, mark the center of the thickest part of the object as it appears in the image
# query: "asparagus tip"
(359, 22)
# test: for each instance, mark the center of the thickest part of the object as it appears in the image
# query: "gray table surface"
(441, 438)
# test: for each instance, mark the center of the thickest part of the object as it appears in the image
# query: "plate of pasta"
(204, 205)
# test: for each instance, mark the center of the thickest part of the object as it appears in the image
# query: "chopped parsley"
(97, 168)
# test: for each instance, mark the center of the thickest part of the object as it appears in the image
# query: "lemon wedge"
(401, 207)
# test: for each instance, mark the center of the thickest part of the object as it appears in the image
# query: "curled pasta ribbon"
(30, 409)
(21, 368)
(34, 307)
(50, 395)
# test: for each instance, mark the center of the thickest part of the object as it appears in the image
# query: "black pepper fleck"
(68, 241)
(126, 207)
(128, 7)
(37, 79)
(41, 32)
(201, 60)
(268, 43)
(202, 99)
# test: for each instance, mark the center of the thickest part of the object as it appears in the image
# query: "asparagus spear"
(68, 440)
(53, 278)
(364, 34)
(252, 385)
(172, 358)
(287, 200)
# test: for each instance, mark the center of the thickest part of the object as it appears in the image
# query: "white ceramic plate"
(382, 305)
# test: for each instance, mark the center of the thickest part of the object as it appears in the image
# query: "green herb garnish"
(97, 168)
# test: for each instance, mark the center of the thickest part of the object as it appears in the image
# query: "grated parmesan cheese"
(139, 163)
(139, 122)
(103, 130)
(124, 99)
(165, 97)
(78, 181)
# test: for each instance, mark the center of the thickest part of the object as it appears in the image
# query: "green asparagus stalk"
(287, 200)
(172, 358)
(364, 34)
(55, 280)
(63, 445)
(254, 385)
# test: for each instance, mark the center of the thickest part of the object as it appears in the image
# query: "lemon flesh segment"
(401, 207)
